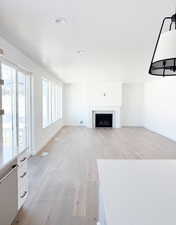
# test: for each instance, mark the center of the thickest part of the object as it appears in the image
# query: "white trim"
(104, 112)
(111, 109)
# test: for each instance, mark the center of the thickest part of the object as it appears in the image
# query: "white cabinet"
(8, 197)
(13, 188)
(22, 179)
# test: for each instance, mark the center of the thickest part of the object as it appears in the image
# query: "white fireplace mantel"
(115, 110)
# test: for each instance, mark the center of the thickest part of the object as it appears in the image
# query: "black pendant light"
(164, 57)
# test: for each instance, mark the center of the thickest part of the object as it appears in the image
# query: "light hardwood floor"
(64, 185)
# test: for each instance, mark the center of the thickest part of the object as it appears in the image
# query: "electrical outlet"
(1, 51)
(1, 82)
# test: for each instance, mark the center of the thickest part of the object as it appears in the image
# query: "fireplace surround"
(115, 112)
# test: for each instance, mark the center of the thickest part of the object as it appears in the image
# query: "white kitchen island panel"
(137, 192)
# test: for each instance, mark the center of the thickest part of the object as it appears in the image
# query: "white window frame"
(28, 108)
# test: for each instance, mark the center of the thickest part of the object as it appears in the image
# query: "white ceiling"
(117, 37)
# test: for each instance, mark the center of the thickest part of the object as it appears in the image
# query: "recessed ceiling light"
(61, 20)
(80, 51)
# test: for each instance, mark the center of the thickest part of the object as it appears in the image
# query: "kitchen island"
(137, 192)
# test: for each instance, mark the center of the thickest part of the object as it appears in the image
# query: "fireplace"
(103, 120)
(105, 117)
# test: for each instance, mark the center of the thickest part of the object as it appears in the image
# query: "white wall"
(151, 104)
(41, 136)
(132, 111)
(75, 105)
(79, 99)
(160, 106)
(104, 94)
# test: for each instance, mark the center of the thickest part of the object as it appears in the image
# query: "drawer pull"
(22, 160)
(25, 193)
(24, 174)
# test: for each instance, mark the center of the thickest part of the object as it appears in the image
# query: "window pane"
(52, 102)
(22, 139)
(57, 102)
(28, 112)
(60, 103)
(45, 103)
(8, 137)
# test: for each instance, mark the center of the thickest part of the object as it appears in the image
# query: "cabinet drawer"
(22, 169)
(22, 198)
(22, 190)
(23, 185)
(22, 179)
(22, 158)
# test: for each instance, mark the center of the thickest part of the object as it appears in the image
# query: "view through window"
(15, 124)
(52, 102)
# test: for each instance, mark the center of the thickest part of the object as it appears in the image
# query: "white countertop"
(138, 192)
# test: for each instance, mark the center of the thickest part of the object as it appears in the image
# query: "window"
(8, 120)
(45, 95)
(60, 102)
(15, 124)
(24, 112)
(52, 102)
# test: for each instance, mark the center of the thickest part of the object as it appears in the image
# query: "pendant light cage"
(163, 61)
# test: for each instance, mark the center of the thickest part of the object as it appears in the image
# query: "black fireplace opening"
(103, 120)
